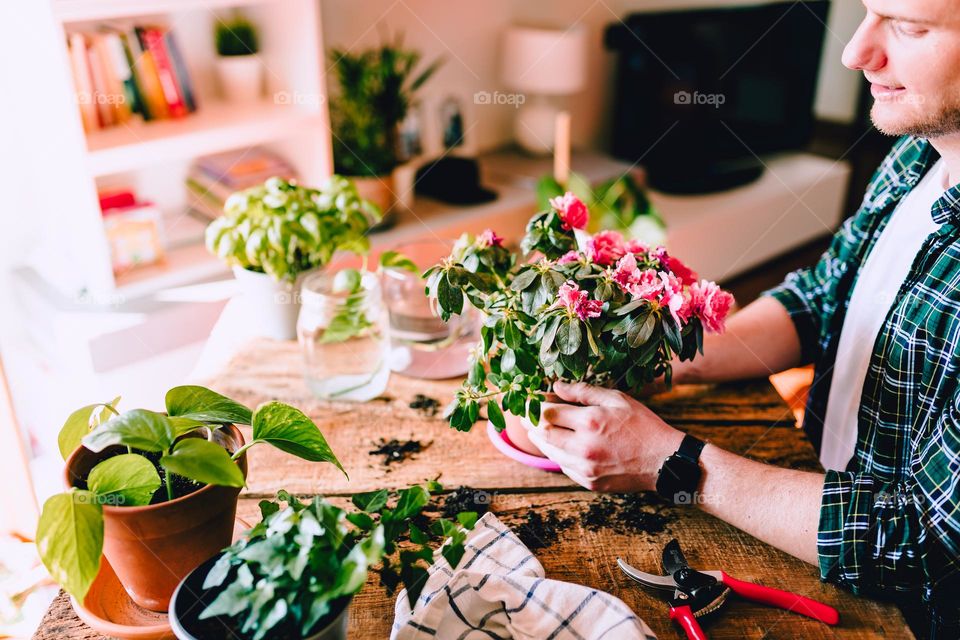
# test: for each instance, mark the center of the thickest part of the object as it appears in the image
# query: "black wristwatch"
(680, 474)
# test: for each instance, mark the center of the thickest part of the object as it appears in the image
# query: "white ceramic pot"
(272, 306)
(241, 78)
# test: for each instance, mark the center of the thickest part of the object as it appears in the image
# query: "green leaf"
(200, 403)
(79, 424)
(138, 429)
(512, 335)
(672, 331)
(412, 501)
(640, 329)
(128, 480)
(371, 501)
(496, 415)
(569, 336)
(524, 279)
(182, 426)
(203, 461)
(361, 520)
(449, 297)
(508, 360)
(396, 260)
(533, 411)
(289, 429)
(467, 519)
(70, 540)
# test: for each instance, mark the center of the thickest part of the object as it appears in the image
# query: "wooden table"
(747, 418)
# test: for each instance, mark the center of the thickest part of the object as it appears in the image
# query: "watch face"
(678, 480)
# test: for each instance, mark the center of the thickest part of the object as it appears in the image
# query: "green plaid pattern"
(890, 522)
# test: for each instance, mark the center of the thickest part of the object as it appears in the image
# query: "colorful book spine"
(148, 78)
(82, 82)
(180, 67)
(151, 39)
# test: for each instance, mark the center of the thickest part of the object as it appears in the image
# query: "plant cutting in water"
(303, 562)
(152, 458)
(597, 309)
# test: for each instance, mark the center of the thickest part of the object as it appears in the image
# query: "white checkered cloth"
(500, 591)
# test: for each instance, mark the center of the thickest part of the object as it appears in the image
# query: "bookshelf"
(153, 157)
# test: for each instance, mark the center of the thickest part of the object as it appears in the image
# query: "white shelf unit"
(153, 158)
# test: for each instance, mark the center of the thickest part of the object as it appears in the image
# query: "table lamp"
(542, 64)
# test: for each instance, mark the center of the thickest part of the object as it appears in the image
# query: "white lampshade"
(545, 61)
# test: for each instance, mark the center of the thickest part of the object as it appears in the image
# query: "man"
(879, 315)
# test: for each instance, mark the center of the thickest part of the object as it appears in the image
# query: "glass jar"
(423, 345)
(342, 332)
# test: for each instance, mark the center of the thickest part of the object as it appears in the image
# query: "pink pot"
(517, 432)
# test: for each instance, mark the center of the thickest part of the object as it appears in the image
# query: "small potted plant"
(238, 66)
(294, 574)
(376, 89)
(156, 493)
(274, 234)
(580, 308)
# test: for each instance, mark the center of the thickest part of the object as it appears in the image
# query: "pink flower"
(489, 238)
(682, 271)
(577, 301)
(639, 284)
(674, 299)
(711, 304)
(568, 257)
(635, 246)
(605, 248)
(573, 213)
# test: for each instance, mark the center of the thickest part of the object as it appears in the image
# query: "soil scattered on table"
(540, 529)
(396, 451)
(628, 513)
(465, 499)
(426, 405)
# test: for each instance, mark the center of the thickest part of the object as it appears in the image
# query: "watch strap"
(690, 448)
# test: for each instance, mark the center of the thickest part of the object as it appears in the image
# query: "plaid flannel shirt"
(890, 522)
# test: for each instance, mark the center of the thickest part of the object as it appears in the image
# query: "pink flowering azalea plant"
(597, 309)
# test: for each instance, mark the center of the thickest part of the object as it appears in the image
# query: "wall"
(468, 36)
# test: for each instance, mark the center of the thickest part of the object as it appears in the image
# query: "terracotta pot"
(152, 548)
(517, 432)
(377, 189)
(190, 599)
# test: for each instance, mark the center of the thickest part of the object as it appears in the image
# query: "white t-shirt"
(881, 275)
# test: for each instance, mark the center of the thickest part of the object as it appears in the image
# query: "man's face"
(909, 50)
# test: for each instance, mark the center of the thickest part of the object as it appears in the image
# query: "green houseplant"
(293, 575)
(275, 233)
(376, 89)
(156, 493)
(238, 66)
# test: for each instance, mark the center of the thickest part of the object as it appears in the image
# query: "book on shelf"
(121, 70)
(213, 178)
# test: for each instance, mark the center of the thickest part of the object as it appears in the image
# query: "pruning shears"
(699, 593)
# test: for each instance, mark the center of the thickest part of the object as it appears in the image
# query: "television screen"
(701, 93)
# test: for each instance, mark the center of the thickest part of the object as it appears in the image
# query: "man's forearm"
(779, 506)
(759, 340)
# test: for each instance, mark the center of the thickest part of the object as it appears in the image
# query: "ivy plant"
(572, 307)
(153, 449)
(283, 229)
(303, 560)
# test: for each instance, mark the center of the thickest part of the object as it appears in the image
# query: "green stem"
(239, 452)
(166, 480)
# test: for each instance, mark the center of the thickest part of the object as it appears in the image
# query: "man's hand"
(613, 443)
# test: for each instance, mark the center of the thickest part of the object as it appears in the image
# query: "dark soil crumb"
(539, 530)
(397, 451)
(628, 513)
(425, 405)
(466, 499)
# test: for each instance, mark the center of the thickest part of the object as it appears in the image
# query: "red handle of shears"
(783, 599)
(684, 617)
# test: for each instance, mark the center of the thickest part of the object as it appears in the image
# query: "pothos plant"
(283, 229)
(596, 308)
(304, 560)
(163, 459)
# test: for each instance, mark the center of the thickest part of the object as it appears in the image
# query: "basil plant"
(158, 458)
(283, 229)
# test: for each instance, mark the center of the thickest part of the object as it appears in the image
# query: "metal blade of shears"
(647, 579)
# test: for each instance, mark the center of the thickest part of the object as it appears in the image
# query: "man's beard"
(943, 123)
